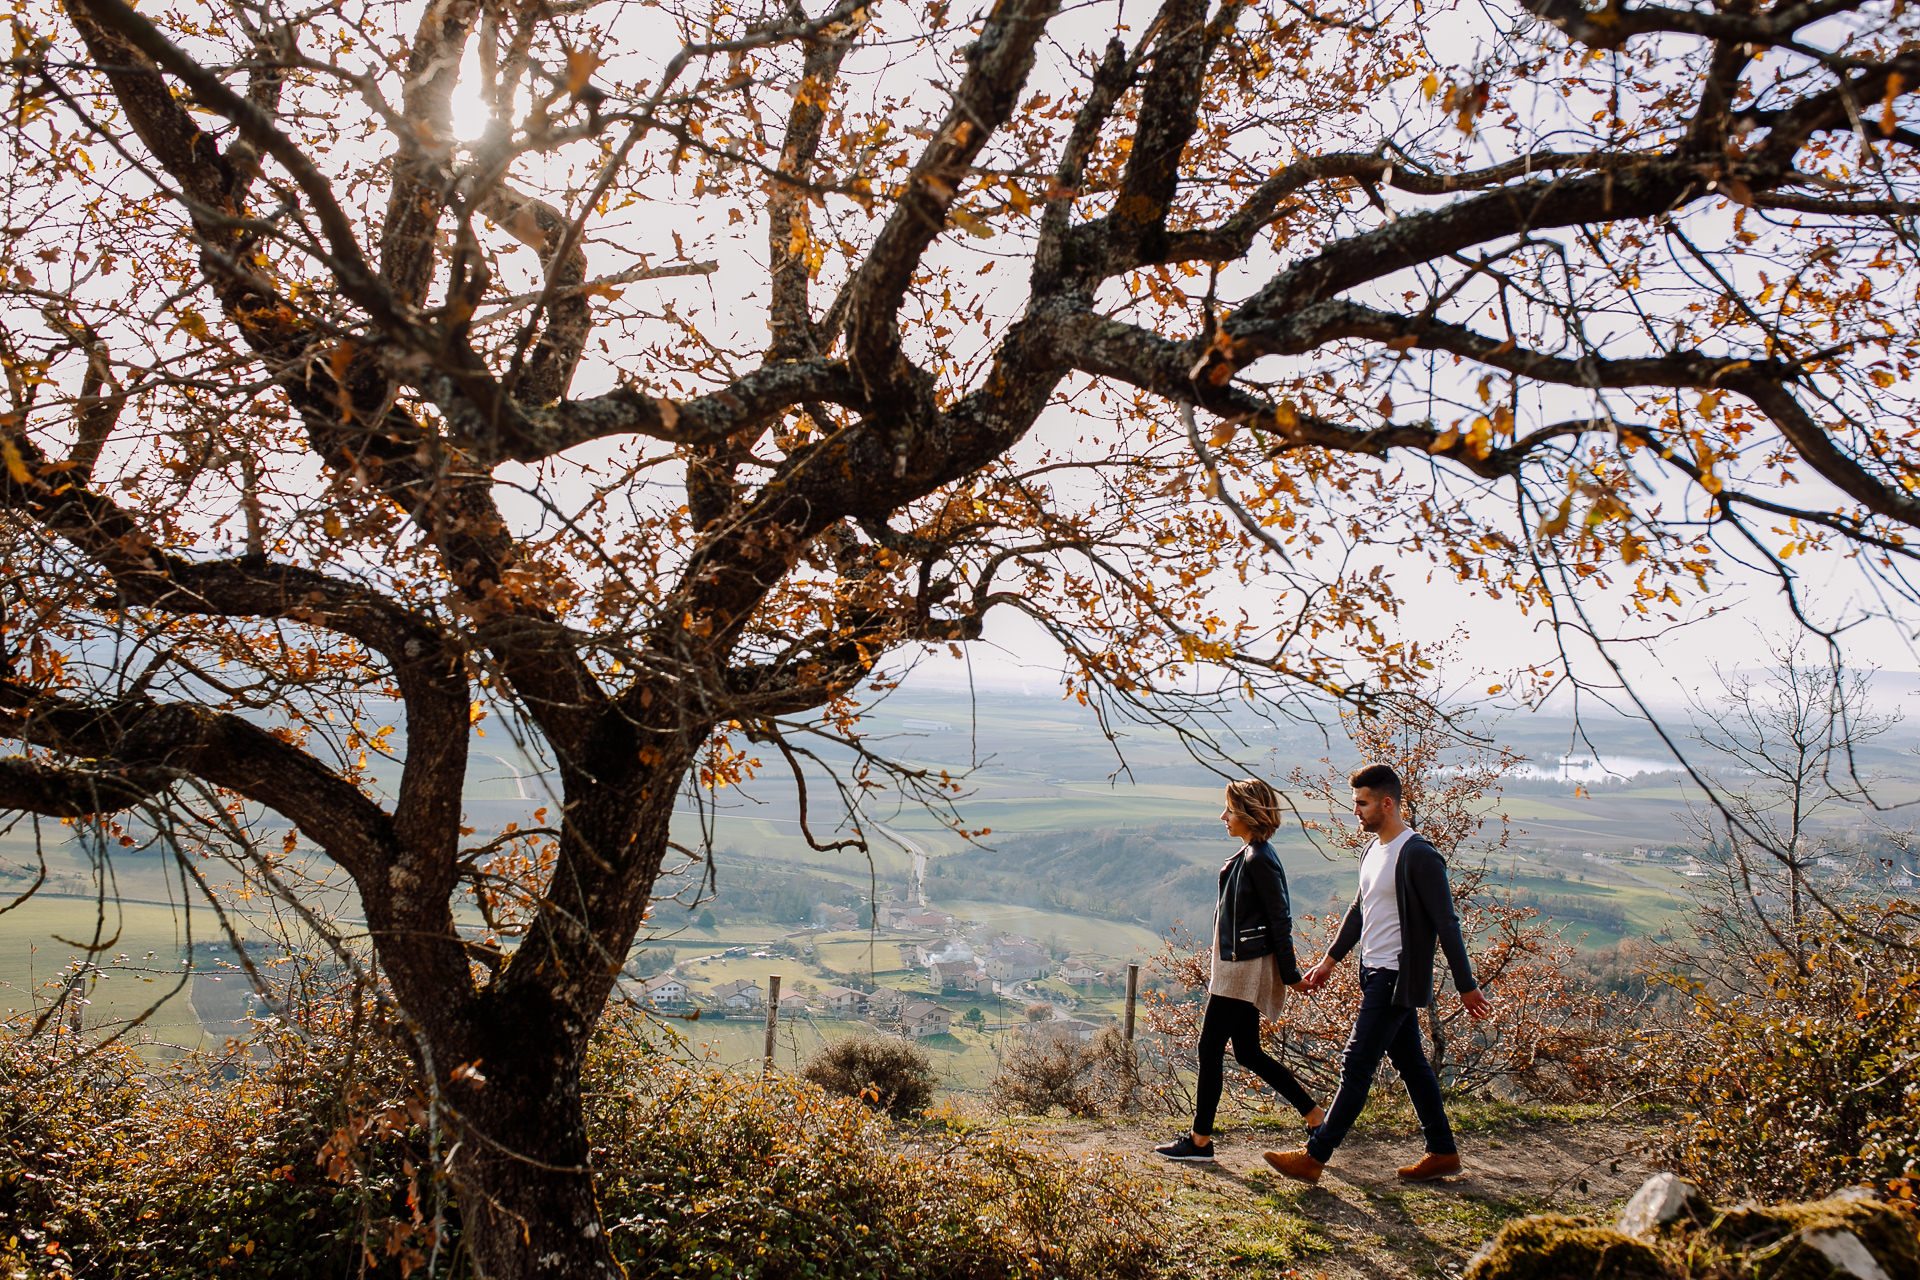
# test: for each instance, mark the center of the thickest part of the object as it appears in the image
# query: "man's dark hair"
(1377, 777)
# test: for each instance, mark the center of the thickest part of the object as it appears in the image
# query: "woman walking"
(1253, 966)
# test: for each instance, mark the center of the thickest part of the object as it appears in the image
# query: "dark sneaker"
(1188, 1150)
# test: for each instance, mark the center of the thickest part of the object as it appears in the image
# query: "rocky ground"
(1238, 1217)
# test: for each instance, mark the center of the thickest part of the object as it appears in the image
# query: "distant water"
(1588, 768)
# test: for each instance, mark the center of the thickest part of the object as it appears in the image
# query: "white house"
(958, 975)
(663, 991)
(844, 1001)
(921, 1019)
(1079, 1028)
(740, 995)
(1080, 973)
(1016, 964)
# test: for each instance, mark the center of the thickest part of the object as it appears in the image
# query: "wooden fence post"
(1133, 995)
(773, 1014)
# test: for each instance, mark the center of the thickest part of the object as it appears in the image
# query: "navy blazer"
(1426, 918)
(1255, 916)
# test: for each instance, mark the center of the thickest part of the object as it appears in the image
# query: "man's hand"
(1477, 1003)
(1316, 977)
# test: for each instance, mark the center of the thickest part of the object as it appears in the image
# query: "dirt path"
(1238, 1217)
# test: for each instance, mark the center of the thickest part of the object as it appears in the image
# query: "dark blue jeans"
(1383, 1029)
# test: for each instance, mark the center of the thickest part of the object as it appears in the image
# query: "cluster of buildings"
(671, 991)
(978, 963)
(899, 1010)
(959, 960)
(886, 1007)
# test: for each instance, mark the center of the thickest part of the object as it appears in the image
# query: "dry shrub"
(311, 1159)
(1042, 1069)
(743, 1175)
(1806, 1080)
(299, 1159)
(887, 1072)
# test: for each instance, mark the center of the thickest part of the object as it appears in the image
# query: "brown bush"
(1802, 1079)
(1042, 1069)
(885, 1072)
(306, 1159)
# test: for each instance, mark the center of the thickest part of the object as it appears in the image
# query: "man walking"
(1403, 909)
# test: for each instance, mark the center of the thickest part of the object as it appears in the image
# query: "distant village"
(958, 961)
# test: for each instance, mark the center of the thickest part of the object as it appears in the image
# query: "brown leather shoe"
(1297, 1165)
(1430, 1167)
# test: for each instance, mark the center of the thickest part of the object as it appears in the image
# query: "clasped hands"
(1475, 1001)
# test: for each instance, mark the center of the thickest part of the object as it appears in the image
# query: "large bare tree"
(360, 351)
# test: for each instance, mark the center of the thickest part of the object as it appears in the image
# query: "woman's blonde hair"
(1257, 804)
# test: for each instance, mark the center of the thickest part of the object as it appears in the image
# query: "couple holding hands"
(1403, 910)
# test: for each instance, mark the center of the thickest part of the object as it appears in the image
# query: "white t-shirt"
(1379, 905)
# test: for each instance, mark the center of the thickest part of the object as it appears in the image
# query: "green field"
(1032, 767)
(965, 1060)
(141, 966)
(1079, 935)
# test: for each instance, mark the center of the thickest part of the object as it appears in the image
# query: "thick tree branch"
(75, 791)
(1830, 110)
(1169, 113)
(421, 163)
(1652, 187)
(147, 739)
(1232, 238)
(1816, 447)
(1613, 26)
(997, 67)
(540, 226)
(745, 405)
(789, 220)
(1058, 241)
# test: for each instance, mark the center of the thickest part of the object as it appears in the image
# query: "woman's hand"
(1316, 977)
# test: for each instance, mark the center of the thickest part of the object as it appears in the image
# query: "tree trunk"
(527, 1202)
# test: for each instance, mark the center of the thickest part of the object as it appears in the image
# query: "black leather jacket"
(1255, 917)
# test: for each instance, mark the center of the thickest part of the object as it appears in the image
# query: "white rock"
(1847, 1254)
(1661, 1199)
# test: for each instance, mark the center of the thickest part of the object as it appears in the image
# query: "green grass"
(144, 944)
(862, 954)
(1646, 908)
(1278, 1237)
(1082, 935)
(1389, 1112)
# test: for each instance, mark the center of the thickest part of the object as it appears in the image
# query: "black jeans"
(1383, 1028)
(1237, 1020)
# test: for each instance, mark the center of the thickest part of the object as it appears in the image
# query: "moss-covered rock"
(1847, 1237)
(1551, 1246)
(1821, 1240)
